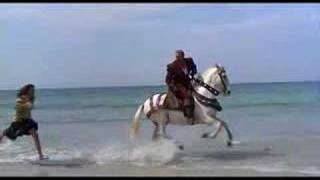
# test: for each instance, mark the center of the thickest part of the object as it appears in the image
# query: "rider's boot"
(188, 108)
(188, 113)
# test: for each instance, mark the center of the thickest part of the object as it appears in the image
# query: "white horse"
(214, 83)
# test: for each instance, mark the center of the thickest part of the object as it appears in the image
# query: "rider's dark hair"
(179, 51)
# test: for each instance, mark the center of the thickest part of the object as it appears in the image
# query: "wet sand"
(120, 170)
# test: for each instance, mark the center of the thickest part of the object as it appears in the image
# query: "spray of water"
(139, 153)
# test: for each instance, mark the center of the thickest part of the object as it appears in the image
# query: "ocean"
(86, 131)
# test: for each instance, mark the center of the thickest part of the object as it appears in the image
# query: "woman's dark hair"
(24, 90)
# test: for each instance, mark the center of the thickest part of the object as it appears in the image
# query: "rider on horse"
(179, 75)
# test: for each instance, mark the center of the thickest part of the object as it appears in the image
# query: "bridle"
(210, 102)
(207, 86)
(210, 88)
(222, 80)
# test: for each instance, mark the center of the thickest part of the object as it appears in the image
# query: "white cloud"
(80, 15)
(107, 31)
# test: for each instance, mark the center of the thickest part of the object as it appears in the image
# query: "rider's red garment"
(178, 77)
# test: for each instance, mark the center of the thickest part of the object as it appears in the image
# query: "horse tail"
(136, 122)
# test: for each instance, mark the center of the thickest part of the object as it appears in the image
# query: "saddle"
(172, 102)
(169, 101)
(164, 101)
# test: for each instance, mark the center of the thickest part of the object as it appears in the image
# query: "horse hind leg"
(155, 135)
(166, 136)
(160, 132)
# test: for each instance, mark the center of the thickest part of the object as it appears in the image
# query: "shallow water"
(86, 131)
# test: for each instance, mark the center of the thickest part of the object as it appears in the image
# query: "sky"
(88, 45)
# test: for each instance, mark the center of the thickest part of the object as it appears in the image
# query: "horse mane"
(208, 73)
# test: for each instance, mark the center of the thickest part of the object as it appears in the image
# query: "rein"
(207, 86)
(207, 101)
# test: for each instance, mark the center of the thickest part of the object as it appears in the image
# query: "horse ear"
(217, 65)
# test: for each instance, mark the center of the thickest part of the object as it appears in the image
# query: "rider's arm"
(192, 66)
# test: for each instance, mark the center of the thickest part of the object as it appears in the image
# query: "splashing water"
(154, 153)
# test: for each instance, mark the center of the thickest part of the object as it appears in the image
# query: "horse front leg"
(222, 124)
(214, 134)
(226, 127)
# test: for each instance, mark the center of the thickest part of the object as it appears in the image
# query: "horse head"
(217, 78)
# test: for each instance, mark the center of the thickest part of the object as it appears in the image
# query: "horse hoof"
(181, 147)
(229, 143)
(205, 135)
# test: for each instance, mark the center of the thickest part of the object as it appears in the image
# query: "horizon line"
(154, 85)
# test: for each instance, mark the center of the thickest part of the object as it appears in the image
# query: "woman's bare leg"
(36, 140)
